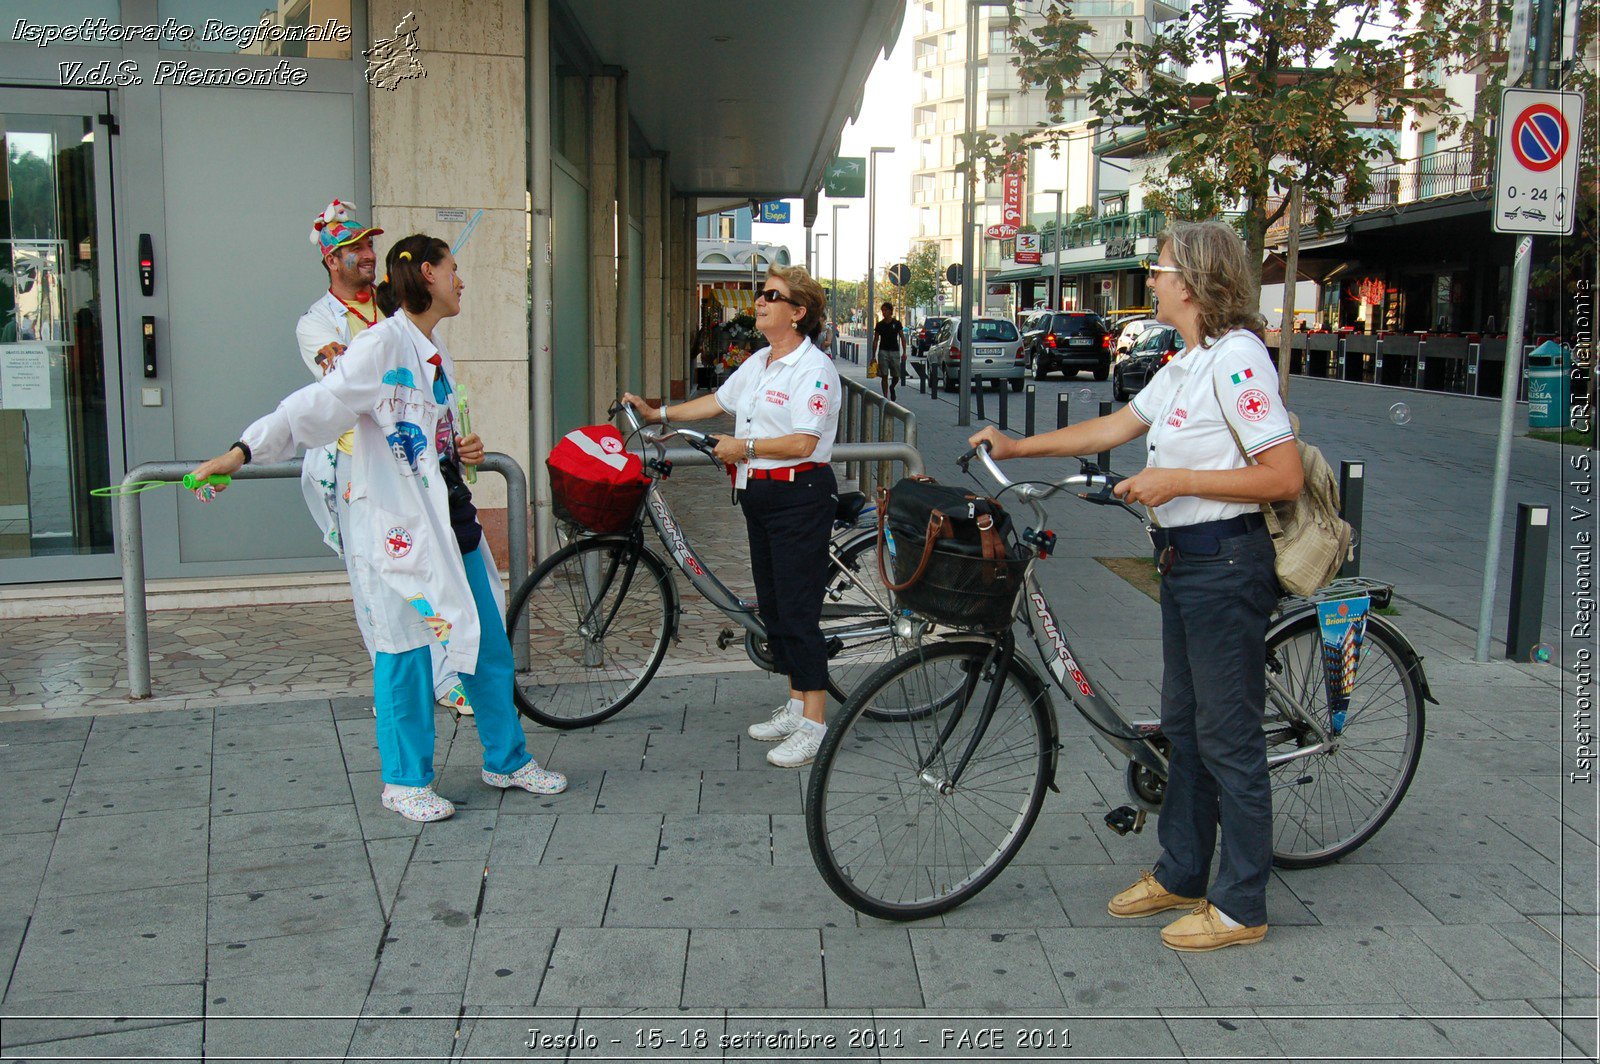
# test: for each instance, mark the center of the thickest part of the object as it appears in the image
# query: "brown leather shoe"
(1203, 930)
(1146, 898)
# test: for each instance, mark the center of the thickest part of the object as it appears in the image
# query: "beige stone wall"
(454, 139)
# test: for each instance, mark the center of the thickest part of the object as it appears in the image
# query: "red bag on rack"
(595, 481)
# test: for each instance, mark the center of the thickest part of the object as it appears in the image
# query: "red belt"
(783, 472)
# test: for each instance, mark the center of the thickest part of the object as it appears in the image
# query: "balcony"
(1103, 230)
(1451, 172)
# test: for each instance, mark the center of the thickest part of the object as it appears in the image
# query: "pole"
(872, 213)
(541, 326)
(833, 300)
(1512, 379)
(1291, 278)
(969, 206)
(872, 265)
(1502, 451)
(1055, 272)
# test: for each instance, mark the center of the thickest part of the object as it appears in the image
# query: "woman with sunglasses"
(418, 566)
(1215, 403)
(785, 402)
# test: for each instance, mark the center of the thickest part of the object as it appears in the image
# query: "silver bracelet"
(750, 450)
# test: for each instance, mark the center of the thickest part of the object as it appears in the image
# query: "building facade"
(567, 148)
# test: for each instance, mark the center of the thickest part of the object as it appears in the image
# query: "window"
(999, 110)
(725, 227)
(999, 41)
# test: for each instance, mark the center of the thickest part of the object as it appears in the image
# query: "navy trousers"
(789, 525)
(1214, 612)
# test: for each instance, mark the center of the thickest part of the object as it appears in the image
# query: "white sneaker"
(783, 723)
(798, 749)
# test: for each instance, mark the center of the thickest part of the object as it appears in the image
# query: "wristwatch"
(750, 449)
(663, 413)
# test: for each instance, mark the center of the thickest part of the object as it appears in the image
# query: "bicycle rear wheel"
(895, 831)
(598, 614)
(859, 633)
(1326, 805)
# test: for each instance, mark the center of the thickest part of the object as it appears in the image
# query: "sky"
(885, 122)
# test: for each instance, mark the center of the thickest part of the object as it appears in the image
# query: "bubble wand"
(190, 483)
(463, 414)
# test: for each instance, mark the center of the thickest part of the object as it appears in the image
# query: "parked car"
(1130, 331)
(1152, 351)
(1069, 341)
(997, 353)
(922, 339)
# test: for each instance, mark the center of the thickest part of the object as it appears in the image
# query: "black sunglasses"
(772, 295)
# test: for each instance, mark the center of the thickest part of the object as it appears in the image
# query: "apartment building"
(937, 120)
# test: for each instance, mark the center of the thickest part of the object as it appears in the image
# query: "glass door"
(60, 405)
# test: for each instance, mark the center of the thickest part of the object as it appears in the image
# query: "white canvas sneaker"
(798, 749)
(782, 724)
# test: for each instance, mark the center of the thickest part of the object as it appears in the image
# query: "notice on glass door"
(24, 377)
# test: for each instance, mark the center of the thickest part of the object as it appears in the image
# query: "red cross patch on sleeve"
(818, 404)
(1254, 405)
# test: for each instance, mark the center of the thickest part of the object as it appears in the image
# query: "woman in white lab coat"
(418, 568)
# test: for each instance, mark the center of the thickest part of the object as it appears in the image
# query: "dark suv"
(1069, 341)
(920, 339)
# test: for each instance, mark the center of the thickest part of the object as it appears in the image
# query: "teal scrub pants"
(403, 688)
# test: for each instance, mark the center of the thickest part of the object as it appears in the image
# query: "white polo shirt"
(1186, 418)
(799, 392)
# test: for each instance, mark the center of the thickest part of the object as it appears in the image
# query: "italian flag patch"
(1240, 378)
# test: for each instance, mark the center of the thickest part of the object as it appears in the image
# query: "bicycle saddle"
(851, 503)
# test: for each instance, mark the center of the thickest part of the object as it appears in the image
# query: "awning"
(1072, 269)
(740, 299)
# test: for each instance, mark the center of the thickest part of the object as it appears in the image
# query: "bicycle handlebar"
(703, 442)
(1099, 483)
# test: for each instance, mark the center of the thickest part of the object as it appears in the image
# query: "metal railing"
(1093, 231)
(869, 419)
(1451, 172)
(849, 453)
(135, 618)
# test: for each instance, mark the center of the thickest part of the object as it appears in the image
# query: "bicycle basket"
(595, 482)
(953, 556)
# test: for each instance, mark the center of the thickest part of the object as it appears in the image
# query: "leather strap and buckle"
(784, 473)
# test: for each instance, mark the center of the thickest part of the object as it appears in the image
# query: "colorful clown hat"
(334, 228)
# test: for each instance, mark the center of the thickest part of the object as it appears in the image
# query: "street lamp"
(969, 207)
(872, 210)
(1055, 273)
(833, 298)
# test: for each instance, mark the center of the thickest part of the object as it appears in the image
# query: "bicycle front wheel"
(1325, 805)
(897, 826)
(858, 624)
(598, 615)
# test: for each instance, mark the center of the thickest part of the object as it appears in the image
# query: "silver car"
(997, 353)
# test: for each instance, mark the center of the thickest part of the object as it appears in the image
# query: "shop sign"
(1028, 249)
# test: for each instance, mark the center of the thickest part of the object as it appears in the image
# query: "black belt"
(1206, 537)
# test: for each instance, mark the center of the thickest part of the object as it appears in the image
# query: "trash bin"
(1549, 387)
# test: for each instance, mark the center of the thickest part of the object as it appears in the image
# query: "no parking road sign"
(1536, 169)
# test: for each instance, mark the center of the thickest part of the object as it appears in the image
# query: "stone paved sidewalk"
(214, 875)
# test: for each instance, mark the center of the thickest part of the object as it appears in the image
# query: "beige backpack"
(1311, 537)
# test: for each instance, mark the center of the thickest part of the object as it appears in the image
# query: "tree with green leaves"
(1288, 76)
(923, 291)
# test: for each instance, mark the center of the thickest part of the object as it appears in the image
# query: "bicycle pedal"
(725, 639)
(1125, 818)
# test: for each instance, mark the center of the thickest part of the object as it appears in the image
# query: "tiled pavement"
(219, 874)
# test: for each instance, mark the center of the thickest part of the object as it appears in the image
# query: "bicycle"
(932, 775)
(601, 610)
